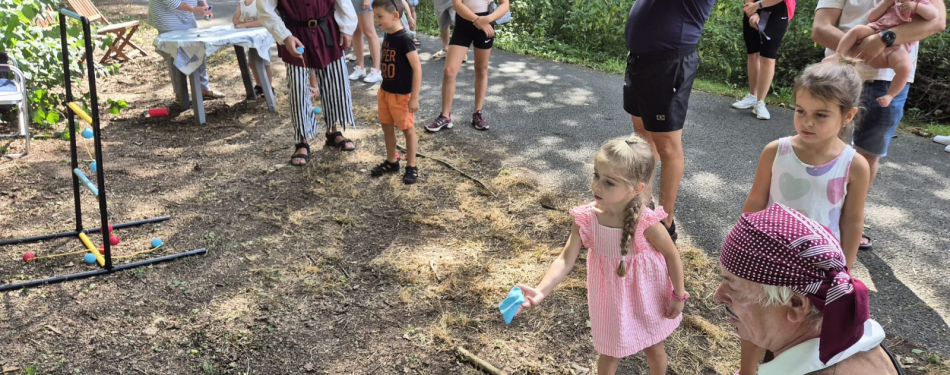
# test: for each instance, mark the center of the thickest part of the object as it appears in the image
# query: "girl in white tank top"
(814, 171)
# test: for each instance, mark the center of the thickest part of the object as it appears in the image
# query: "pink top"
(626, 313)
(893, 17)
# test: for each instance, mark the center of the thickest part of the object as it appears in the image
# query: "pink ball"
(114, 240)
(28, 257)
(110, 228)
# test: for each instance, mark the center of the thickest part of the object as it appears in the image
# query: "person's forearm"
(675, 267)
(918, 30)
(464, 11)
(878, 11)
(267, 16)
(186, 7)
(252, 24)
(827, 36)
(851, 238)
(555, 275)
(416, 81)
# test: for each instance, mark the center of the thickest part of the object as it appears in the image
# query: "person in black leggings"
(763, 29)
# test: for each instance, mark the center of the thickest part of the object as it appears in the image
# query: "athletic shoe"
(478, 121)
(942, 139)
(747, 102)
(439, 123)
(411, 175)
(373, 76)
(761, 112)
(357, 73)
(440, 54)
(351, 57)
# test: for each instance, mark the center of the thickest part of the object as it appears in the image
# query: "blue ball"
(89, 258)
(93, 167)
(300, 49)
(317, 110)
(156, 242)
(87, 133)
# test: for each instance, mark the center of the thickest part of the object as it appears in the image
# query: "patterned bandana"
(779, 246)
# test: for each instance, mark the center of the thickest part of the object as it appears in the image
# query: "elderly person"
(171, 15)
(786, 288)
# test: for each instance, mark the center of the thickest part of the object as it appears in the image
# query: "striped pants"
(334, 96)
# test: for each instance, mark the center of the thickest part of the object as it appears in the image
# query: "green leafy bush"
(37, 52)
(593, 31)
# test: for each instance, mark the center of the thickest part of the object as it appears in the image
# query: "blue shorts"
(358, 7)
(413, 3)
(873, 134)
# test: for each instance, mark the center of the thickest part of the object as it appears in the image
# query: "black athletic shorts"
(775, 28)
(465, 34)
(656, 87)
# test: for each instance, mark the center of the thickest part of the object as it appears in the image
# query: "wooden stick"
(436, 273)
(478, 362)
(447, 164)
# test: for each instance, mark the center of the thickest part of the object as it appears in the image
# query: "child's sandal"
(385, 167)
(331, 137)
(411, 176)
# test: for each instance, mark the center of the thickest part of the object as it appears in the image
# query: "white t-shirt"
(854, 13)
(477, 6)
(247, 11)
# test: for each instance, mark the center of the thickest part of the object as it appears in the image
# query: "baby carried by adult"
(885, 15)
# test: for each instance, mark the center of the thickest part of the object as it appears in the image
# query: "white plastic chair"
(13, 93)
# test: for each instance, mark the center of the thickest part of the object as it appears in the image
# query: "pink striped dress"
(626, 313)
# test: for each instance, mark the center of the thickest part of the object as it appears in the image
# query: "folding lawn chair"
(13, 96)
(123, 31)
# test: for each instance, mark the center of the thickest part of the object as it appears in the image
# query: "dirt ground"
(320, 269)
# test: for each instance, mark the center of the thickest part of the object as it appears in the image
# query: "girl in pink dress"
(631, 260)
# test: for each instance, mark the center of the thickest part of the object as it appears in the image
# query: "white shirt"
(477, 6)
(803, 358)
(248, 12)
(343, 13)
(854, 13)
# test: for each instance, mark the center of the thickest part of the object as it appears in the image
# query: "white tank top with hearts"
(816, 191)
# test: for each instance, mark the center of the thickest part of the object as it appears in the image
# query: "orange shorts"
(394, 109)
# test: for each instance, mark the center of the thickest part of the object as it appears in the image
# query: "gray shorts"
(444, 13)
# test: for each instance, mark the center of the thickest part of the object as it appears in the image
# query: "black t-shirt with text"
(397, 73)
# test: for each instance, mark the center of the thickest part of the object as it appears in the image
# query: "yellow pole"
(92, 249)
(78, 111)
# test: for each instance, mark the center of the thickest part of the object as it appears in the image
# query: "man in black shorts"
(662, 37)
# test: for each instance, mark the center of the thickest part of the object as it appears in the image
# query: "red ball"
(110, 228)
(28, 257)
(114, 240)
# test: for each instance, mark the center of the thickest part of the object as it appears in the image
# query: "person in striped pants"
(323, 29)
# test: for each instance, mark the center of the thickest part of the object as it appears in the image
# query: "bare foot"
(885, 100)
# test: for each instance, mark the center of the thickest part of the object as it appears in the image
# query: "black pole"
(101, 271)
(74, 233)
(97, 139)
(71, 121)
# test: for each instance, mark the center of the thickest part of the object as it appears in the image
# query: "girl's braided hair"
(633, 160)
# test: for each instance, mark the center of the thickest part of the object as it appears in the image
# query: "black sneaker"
(258, 91)
(411, 176)
(385, 167)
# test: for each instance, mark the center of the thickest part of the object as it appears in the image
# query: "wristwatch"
(888, 37)
(678, 298)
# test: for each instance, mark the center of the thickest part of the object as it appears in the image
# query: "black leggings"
(775, 28)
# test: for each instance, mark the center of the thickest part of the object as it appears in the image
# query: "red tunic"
(312, 22)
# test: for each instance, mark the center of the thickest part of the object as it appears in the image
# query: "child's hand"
(489, 31)
(291, 43)
(885, 100)
(907, 6)
(413, 105)
(532, 297)
(751, 8)
(674, 309)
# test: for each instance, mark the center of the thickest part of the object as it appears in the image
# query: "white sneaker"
(373, 76)
(747, 102)
(942, 139)
(761, 112)
(946, 149)
(357, 73)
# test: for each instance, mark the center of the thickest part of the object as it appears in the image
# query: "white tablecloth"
(191, 47)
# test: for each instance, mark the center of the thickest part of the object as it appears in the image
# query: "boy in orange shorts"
(399, 93)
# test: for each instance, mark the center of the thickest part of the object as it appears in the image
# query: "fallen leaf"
(308, 367)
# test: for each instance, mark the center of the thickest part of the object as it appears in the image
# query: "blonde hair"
(632, 158)
(839, 81)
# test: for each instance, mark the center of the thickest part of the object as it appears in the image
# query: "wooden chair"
(123, 31)
(47, 18)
